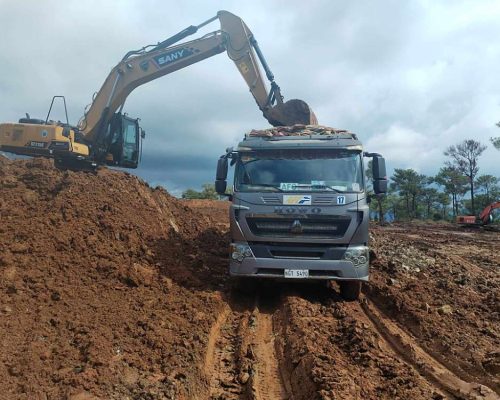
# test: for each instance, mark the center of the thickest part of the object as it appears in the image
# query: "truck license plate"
(296, 273)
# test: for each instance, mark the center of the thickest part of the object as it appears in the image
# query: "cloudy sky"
(410, 77)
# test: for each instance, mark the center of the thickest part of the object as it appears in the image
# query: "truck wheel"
(350, 290)
(243, 285)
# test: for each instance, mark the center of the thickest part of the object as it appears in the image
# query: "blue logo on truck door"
(175, 55)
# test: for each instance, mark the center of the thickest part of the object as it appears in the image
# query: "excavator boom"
(142, 66)
(486, 213)
(105, 136)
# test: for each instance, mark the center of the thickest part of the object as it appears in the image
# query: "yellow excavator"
(105, 136)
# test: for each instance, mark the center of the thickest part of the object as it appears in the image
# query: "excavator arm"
(485, 214)
(105, 136)
(144, 65)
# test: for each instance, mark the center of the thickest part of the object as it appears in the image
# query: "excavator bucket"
(290, 113)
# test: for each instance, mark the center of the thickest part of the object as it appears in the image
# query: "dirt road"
(110, 289)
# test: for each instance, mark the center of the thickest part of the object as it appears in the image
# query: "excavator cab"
(125, 146)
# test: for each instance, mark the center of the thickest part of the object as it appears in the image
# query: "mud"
(110, 289)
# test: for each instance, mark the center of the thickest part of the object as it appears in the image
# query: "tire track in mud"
(249, 354)
(268, 383)
(340, 352)
(407, 349)
(241, 360)
(221, 360)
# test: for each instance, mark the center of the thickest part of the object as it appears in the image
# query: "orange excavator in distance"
(486, 217)
(106, 136)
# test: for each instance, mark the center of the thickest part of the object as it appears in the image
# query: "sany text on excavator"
(105, 136)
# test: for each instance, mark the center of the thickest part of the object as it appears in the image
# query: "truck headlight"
(239, 251)
(357, 255)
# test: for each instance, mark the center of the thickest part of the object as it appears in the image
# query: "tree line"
(412, 195)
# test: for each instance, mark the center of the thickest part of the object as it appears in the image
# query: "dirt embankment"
(107, 286)
(112, 290)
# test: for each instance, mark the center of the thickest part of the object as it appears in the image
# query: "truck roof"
(304, 136)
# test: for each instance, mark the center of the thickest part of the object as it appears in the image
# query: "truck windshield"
(290, 170)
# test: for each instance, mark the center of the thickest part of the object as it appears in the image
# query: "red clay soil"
(442, 283)
(216, 210)
(110, 289)
(107, 288)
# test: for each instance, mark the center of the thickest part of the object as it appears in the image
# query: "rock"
(130, 376)
(56, 296)
(244, 377)
(167, 283)
(19, 247)
(30, 197)
(140, 275)
(10, 273)
(7, 309)
(392, 282)
(174, 226)
(9, 182)
(446, 309)
(83, 395)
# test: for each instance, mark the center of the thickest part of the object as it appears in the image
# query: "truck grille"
(290, 227)
(271, 199)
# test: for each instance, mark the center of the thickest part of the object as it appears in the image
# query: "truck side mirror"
(379, 175)
(378, 168)
(220, 187)
(221, 174)
(380, 186)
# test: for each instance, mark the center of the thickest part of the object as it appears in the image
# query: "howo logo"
(296, 227)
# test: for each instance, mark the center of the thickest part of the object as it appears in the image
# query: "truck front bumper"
(318, 269)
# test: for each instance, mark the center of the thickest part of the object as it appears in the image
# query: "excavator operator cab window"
(130, 135)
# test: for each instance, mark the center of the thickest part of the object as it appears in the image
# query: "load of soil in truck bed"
(110, 289)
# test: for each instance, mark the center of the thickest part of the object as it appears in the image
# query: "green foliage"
(488, 184)
(454, 183)
(409, 185)
(464, 157)
(208, 192)
(437, 217)
(496, 142)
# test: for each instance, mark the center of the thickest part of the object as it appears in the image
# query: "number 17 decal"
(340, 199)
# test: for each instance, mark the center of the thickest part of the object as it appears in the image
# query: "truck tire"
(350, 290)
(243, 285)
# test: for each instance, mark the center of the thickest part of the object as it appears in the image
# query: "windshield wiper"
(334, 190)
(313, 187)
(267, 185)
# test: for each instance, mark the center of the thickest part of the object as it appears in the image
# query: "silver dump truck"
(300, 206)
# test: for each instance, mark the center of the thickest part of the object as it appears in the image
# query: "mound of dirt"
(443, 285)
(107, 287)
(216, 210)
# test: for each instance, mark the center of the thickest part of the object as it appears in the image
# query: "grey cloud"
(400, 74)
